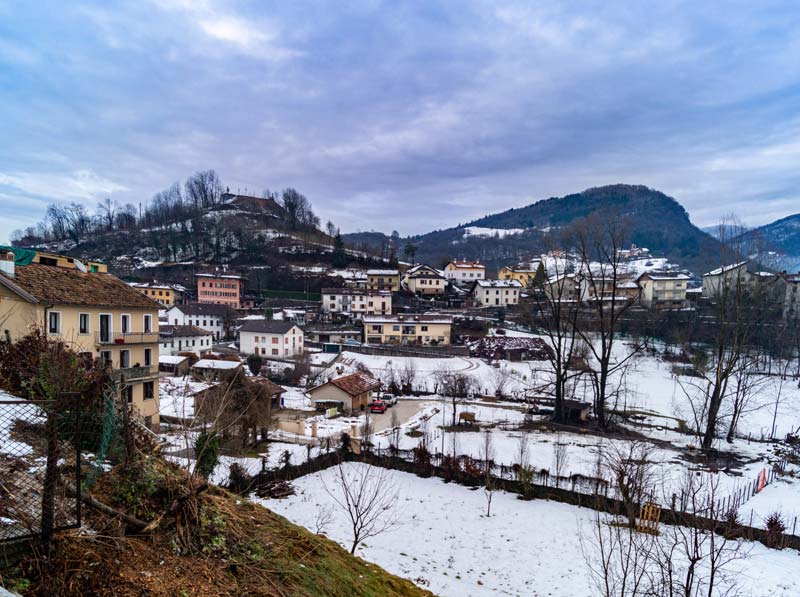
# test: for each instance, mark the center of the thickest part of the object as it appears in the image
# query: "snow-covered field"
(444, 541)
(500, 232)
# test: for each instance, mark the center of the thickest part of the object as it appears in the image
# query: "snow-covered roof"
(499, 283)
(426, 318)
(665, 276)
(726, 268)
(214, 364)
(170, 359)
(383, 272)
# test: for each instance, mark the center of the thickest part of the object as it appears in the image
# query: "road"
(405, 409)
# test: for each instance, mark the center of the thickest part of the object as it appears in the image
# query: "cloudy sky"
(402, 115)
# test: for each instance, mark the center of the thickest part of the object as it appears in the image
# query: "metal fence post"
(50, 478)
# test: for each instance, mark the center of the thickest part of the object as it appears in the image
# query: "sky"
(407, 116)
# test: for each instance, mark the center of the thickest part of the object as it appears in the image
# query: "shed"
(214, 369)
(174, 364)
(576, 410)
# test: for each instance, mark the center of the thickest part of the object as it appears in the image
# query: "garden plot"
(176, 396)
(444, 541)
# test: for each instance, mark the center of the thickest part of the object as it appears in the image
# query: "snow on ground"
(500, 232)
(444, 541)
(176, 396)
(9, 415)
(296, 399)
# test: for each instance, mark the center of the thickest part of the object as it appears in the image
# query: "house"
(219, 289)
(184, 338)
(165, 294)
(663, 290)
(425, 280)
(337, 334)
(524, 274)
(213, 318)
(791, 298)
(633, 253)
(407, 329)
(214, 369)
(564, 287)
(356, 301)
(173, 364)
(727, 275)
(383, 279)
(271, 338)
(464, 271)
(93, 312)
(496, 293)
(348, 393)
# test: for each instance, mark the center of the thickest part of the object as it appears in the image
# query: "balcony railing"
(126, 338)
(132, 374)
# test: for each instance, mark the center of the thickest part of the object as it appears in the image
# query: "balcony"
(133, 374)
(119, 338)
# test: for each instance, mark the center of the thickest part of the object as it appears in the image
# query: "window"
(124, 358)
(148, 357)
(148, 324)
(105, 357)
(395, 328)
(256, 339)
(275, 340)
(54, 322)
(275, 351)
(83, 323)
(149, 390)
(125, 323)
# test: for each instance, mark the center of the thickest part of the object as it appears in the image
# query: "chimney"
(7, 264)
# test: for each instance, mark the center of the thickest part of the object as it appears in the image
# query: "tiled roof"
(271, 388)
(267, 326)
(182, 331)
(204, 309)
(65, 286)
(355, 383)
(424, 318)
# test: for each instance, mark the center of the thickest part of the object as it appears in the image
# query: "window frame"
(58, 320)
(88, 331)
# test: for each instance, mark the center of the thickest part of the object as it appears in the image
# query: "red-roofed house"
(349, 393)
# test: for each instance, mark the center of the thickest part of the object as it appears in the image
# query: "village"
(481, 380)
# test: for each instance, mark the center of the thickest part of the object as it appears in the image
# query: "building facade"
(270, 338)
(496, 293)
(219, 289)
(407, 329)
(212, 318)
(424, 280)
(383, 279)
(464, 271)
(93, 312)
(356, 301)
(524, 274)
(184, 338)
(164, 294)
(663, 290)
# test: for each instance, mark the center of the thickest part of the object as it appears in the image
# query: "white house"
(212, 318)
(496, 293)
(356, 301)
(663, 290)
(173, 339)
(465, 271)
(725, 276)
(270, 338)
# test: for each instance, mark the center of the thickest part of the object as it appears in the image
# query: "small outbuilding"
(577, 411)
(348, 393)
(173, 364)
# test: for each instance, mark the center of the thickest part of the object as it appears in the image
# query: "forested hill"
(782, 237)
(653, 220)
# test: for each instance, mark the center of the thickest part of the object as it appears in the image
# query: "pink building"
(219, 289)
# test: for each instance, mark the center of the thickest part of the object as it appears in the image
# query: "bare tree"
(560, 458)
(395, 435)
(454, 385)
(487, 455)
(599, 240)
(323, 519)
(632, 474)
(556, 315)
(408, 373)
(106, 210)
(368, 495)
(499, 381)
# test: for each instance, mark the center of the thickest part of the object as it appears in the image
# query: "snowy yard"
(445, 542)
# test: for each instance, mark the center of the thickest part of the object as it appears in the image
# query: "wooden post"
(50, 479)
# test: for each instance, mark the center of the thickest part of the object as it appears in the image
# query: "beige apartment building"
(464, 271)
(94, 312)
(356, 301)
(407, 329)
(383, 279)
(663, 290)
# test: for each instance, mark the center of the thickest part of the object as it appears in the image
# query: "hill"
(782, 237)
(655, 221)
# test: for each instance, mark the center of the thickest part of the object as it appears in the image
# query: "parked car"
(377, 406)
(389, 399)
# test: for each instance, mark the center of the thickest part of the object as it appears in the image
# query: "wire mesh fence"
(40, 469)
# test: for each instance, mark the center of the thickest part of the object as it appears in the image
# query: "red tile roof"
(355, 383)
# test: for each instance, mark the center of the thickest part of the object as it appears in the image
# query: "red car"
(378, 406)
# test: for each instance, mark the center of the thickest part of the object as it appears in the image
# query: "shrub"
(206, 449)
(239, 480)
(776, 527)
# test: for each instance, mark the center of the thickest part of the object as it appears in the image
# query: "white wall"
(272, 345)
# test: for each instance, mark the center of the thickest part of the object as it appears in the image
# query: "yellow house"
(423, 279)
(161, 293)
(94, 312)
(524, 274)
(407, 329)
